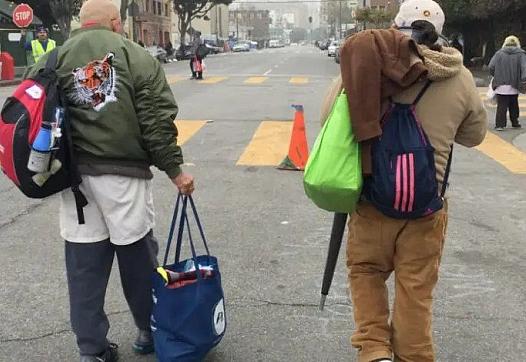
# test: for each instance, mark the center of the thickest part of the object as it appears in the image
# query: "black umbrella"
(338, 228)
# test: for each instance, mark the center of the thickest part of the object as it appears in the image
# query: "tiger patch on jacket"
(95, 83)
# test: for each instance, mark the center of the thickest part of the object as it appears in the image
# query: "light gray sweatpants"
(88, 270)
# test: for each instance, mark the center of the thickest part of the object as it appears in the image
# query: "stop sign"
(23, 16)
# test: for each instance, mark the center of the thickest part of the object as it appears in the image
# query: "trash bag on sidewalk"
(188, 317)
(333, 175)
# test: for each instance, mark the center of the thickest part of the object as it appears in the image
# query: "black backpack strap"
(52, 60)
(75, 178)
(422, 92)
(445, 183)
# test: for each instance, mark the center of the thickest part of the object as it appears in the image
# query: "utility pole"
(237, 25)
(340, 30)
(364, 21)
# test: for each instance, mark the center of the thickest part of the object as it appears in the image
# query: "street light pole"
(364, 21)
(340, 30)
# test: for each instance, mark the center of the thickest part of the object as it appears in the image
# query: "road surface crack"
(50, 334)
(24, 212)
(263, 302)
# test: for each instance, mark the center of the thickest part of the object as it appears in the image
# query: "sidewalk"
(9, 83)
(19, 73)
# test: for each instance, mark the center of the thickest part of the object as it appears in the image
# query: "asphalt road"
(271, 240)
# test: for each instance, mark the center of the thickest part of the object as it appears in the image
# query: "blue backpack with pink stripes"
(404, 181)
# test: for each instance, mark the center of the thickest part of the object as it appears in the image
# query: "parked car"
(213, 48)
(241, 47)
(332, 48)
(324, 45)
(183, 53)
(275, 44)
(337, 55)
(158, 53)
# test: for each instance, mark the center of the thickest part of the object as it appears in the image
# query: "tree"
(53, 12)
(484, 23)
(63, 12)
(188, 10)
(339, 12)
(459, 10)
(380, 18)
(124, 10)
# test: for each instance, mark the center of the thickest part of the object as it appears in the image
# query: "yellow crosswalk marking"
(504, 153)
(172, 79)
(212, 80)
(187, 129)
(256, 80)
(269, 145)
(299, 80)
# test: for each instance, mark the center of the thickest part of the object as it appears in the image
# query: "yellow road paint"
(212, 80)
(299, 80)
(504, 153)
(187, 129)
(269, 146)
(172, 79)
(256, 80)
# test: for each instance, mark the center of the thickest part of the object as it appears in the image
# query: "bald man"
(122, 115)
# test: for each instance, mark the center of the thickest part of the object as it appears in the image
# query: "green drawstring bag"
(333, 175)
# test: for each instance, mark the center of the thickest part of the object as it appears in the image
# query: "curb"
(8, 83)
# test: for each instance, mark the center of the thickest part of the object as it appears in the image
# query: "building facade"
(250, 24)
(215, 25)
(152, 23)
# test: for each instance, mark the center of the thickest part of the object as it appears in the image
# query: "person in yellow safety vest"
(41, 45)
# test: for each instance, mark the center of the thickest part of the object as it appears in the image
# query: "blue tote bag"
(188, 317)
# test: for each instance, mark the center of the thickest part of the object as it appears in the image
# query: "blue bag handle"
(199, 225)
(183, 218)
(172, 229)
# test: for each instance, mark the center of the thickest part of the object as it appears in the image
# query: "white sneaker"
(499, 129)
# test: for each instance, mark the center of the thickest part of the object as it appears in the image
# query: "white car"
(241, 47)
(332, 48)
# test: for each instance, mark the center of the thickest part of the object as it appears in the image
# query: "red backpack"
(36, 113)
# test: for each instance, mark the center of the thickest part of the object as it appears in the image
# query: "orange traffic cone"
(299, 149)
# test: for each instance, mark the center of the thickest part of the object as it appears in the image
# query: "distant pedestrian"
(40, 46)
(508, 67)
(386, 75)
(169, 48)
(122, 119)
(196, 60)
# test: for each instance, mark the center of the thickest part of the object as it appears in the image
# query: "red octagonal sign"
(23, 16)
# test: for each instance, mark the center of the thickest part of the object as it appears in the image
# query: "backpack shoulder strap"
(445, 183)
(52, 60)
(422, 92)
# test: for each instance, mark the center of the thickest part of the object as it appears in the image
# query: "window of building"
(147, 6)
(159, 8)
(167, 9)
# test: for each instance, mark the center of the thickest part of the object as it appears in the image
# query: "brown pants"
(379, 245)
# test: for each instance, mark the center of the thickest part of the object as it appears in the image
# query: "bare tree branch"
(188, 10)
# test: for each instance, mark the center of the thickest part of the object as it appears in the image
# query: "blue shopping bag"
(187, 321)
